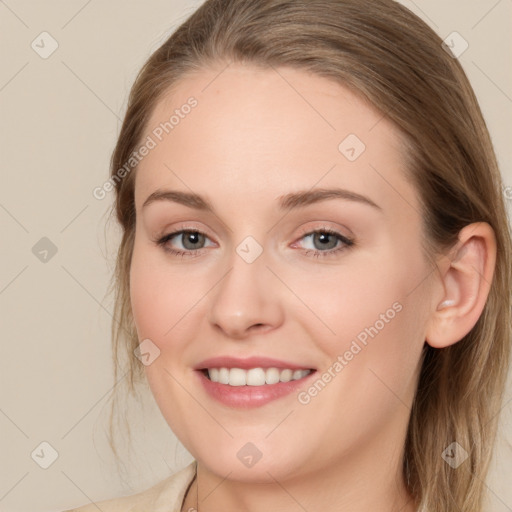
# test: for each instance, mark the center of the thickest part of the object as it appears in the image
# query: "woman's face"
(261, 147)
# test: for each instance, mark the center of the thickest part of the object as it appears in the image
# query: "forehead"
(269, 131)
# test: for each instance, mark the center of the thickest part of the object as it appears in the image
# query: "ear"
(465, 277)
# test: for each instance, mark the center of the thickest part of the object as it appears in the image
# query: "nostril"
(258, 326)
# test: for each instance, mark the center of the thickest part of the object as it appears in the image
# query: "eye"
(192, 241)
(327, 239)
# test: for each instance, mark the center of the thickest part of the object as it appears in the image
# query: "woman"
(315, 266)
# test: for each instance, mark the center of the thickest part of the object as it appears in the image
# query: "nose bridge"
(246, 294)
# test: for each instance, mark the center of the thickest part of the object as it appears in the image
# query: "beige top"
(165, 496)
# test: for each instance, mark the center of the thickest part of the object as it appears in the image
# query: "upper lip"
(247, 363)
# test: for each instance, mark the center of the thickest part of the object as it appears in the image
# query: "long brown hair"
(390, 57)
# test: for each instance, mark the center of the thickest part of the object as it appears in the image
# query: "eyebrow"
(289, 201)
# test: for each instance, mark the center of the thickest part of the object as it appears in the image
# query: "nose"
(246, 300)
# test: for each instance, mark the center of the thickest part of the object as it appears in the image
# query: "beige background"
(59, 120)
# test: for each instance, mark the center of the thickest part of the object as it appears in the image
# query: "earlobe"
(466, 276)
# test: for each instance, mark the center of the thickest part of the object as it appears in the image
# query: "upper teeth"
(254, 376)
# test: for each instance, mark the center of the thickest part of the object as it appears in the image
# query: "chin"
(253, 462)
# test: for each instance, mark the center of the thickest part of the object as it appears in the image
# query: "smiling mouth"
(253, 376)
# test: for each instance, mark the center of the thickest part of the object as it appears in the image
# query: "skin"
(253, 137)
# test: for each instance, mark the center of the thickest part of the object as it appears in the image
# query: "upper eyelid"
(303, 231)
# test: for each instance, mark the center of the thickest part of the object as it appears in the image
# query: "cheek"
(160, 295)
(160, 301)
(144, 300)
(376, 314)
(382, 340)
(368, 292)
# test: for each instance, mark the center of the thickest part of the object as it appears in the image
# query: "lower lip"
(247, 397)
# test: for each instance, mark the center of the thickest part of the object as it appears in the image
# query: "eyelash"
(347, 243)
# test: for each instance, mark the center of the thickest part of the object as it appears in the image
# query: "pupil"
(190, 237)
